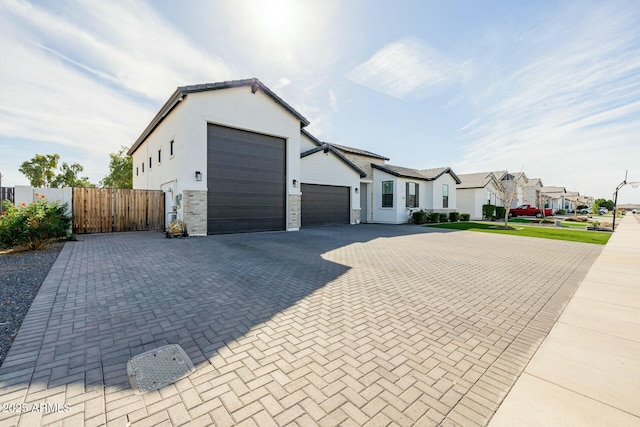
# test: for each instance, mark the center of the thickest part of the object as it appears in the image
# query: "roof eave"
(168, 106)
(331, 149)
(183, 91)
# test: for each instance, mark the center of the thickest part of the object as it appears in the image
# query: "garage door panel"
(325, 205)
(222, 162)
(246, 178)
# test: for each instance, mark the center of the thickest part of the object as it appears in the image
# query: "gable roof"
(359, 152)
(551, 190)
(476, 180)
(533, 182)
(499, 174)
(183, 91)
(311, 137)
(424, 174)
(326, 148)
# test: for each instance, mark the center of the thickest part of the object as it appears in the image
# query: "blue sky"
(548, 87)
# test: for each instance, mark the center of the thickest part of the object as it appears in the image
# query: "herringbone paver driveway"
(361, 325)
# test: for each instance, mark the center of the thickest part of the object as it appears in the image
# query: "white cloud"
(333, 101)
(570, 113)
(126, 40)
(89, 75)
(408, 67)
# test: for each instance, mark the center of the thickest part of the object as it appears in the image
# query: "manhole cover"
(157, 368)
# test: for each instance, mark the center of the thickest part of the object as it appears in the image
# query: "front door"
(364, 203)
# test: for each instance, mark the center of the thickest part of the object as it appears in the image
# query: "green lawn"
(535, 221)
(599, 238)
(575, 224)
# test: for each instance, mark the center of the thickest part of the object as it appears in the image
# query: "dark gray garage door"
(246, 175)
(325, 204)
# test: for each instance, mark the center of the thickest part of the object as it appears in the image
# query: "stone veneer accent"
(194, 212)
(356, 216)
(294, 218)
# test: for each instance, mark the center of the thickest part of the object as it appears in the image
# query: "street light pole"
(615, 200)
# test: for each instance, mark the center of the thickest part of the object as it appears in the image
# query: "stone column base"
(355, 215)
(194, 212)
(294, 218)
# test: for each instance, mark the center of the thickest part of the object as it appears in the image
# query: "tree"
(508, 194)
(602, 203)
(120, 171)
(41, 169)
(68, 177)
(41, 172)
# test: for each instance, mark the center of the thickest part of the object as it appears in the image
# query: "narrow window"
(159, 156)
(171, 148)
(445, 196)
(149, 162)
(387, 194)
(412, 195)
(136, 171)
(142, 167)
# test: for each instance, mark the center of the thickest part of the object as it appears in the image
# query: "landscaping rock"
(21, 274)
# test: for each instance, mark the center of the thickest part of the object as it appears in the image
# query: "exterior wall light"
(198, 176)
(356, 190)
(295, 182)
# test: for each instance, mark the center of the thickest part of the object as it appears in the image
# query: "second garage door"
(246, 181)
(325, 205)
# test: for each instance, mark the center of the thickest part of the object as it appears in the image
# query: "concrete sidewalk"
(587, 370)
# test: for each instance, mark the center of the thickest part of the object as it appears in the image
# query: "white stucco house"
(364, 160)
(228, 157)
(532, 195)
(509, 182)
(399, 191)
(553, 197)
(476, 190)
(234, 157)
(330, 184)
(571, 201)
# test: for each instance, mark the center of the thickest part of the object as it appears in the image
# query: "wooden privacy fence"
(105, 210)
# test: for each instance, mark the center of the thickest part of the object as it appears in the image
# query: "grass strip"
(555, 233)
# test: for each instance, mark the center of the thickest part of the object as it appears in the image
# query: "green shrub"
(454, 216)
(33, 226)
(433, 217)
(465, 217)
(488, 211)
(419, 217)
(444, 217)
(561, 212)
(500, 212)
(6, 205)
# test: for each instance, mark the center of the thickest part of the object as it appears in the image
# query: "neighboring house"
(532, 192)
(554, 197)
(571, 201)
(228, 157)
(511, 181)
(475, 190)
(399, 191)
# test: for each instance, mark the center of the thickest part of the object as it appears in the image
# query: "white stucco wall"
(306, 143)
(186, 125)
(380, 214)
(173, 171)
(437, 192)
(470, 200)
(328, 169)
(467, 201)
(27, 194)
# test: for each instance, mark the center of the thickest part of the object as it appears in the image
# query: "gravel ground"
(21, 274)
